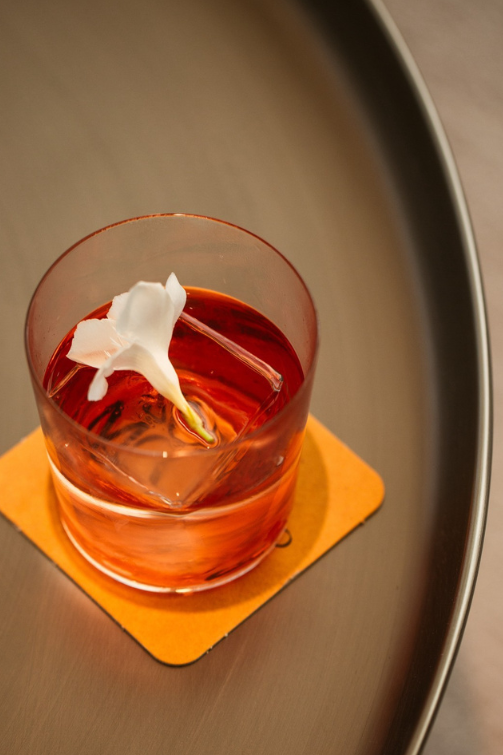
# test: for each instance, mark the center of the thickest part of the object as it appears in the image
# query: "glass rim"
(192, 451)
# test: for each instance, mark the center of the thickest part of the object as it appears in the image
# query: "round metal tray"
(310, 127)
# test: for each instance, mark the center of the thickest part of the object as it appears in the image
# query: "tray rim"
(480, 496)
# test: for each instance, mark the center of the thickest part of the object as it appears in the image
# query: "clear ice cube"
(153, 457)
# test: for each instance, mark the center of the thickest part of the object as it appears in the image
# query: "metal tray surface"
(310, 126)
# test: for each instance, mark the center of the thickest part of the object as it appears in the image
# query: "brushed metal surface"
(246, 111)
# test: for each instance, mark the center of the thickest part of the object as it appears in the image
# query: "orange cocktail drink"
(140, 494)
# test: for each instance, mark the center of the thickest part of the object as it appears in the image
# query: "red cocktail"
(141, 495)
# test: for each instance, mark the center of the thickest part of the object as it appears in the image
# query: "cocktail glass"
(136, 513)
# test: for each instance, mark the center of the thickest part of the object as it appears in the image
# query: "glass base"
(217, 582)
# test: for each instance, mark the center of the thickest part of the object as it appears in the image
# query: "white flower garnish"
(135, 335)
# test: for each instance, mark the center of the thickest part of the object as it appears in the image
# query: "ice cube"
(144, 450)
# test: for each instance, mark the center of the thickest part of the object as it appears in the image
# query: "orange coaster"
(336, 491)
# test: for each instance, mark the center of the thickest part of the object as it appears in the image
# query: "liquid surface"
(233, 397)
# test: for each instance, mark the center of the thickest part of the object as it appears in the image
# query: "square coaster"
(336, 491)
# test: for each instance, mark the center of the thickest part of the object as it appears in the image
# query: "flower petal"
(154, 366)
(118, 304)
(94, 342)
(98, 387)
(177, 294)
(148, 317)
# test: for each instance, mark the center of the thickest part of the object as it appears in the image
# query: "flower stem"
(195, 422)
